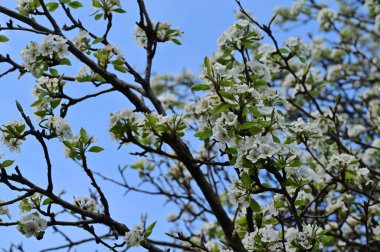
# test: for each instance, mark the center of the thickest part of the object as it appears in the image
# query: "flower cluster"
(87, 204)
(33, 202)
(39, 57)
(269, 238)
(32, 225)
(12, 135)
(81, 40)
(59, 126)
(296, 45)
(164, 32)
(110, 54)
(82, 74)
(134, 236)
(108, 7)
(46, 91)
(77, 145)
(241, 33)
(126, 122)
(26, 7)
(326, 18)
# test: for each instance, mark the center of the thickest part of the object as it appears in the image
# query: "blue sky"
(202, 22)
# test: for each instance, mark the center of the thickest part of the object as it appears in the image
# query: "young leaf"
(96, 149)
(96, 3)
(149, 230)
(3, 38)
(75, 4)
(199, 87)
(46, 201)
(208, 67)
(254, 206)
(7, 163)
(52, 6)
(65, 61)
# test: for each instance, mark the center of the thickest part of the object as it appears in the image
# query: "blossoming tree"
(274, 148)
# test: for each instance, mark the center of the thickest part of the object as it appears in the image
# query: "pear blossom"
(60, 126)
(325, 17)
(11, 135)
(134, 236)
(87, 204)
(4, 210)
(32, 225)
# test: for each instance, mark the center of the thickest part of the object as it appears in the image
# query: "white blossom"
(87, 204)
(134, 236)
(82, 73)
(235, 33)
(295, 44)
(60, 126)
(4, 210)
(32, 225)
(81, 40)
(8, 138)
(268, 234)
(325, 17)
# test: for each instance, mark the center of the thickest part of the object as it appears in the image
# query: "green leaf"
(327, 239)
(67, 144)
(75, 4)
(247, 125)
(255, 130)
(221, 108)
(54, 72)
(96, 4)
(3, 38)
(259, 220)
(199, 87)
(275, 139)
(7, 163)
(96, 149)
(65, 61)
(350, 175)
(52, 6)
(40, 113)
(46, 201)
(227, 95)
(83, 134)
(97, 40)
(203, 135)
(118, 62)
(278, 203)
(271, 221)
(296, 163)
(254, 206)
(98, 16)
(284, 50)
(300, 202)
(176, 41)
(119, 10)
(120, 68)
(55, 103)
(289, 140)
(315, 247)
(242, 221)
(260, 82)
(303, 60)
(149, 230)
(208, 67)
(245, 179)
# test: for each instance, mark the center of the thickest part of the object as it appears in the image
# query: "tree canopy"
(272, 147)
